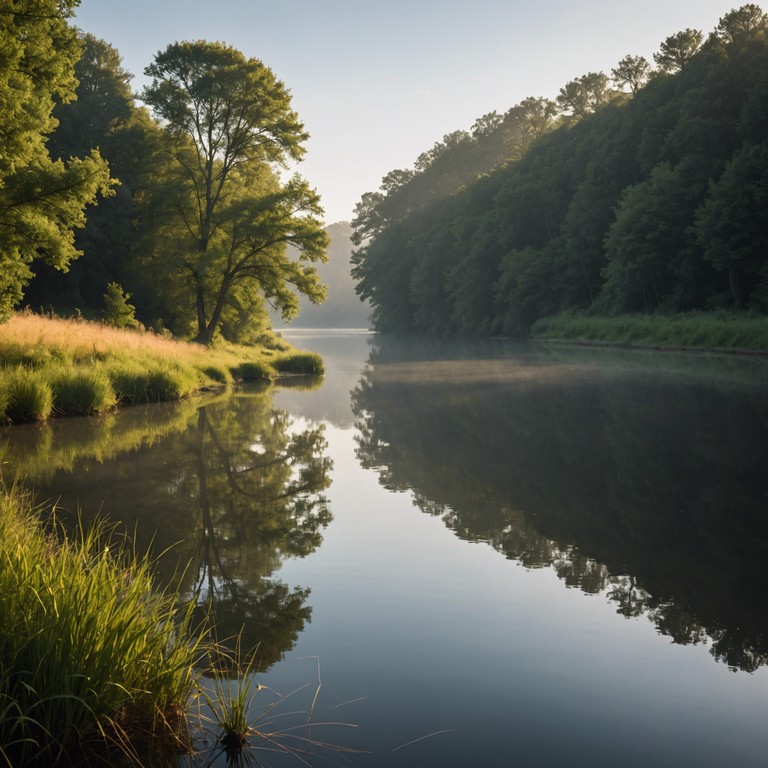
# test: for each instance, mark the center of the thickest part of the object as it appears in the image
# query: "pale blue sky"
(377, 83)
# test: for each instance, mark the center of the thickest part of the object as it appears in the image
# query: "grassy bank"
(54, 366)
(720, 331)
(90, 654)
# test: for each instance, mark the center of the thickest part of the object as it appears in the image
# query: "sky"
(378, 82)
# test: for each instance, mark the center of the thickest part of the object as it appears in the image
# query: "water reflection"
(227, 489)
(645, 485)
(260, 500)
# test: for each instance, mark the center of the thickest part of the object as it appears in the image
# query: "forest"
(640, 191)
(164, 209)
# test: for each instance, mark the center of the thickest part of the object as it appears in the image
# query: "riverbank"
(712, 331)
(61, 367)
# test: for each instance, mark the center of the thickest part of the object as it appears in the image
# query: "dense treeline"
(180, 209)
(645, 191)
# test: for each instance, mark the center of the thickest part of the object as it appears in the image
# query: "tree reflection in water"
(225, 490)
(643, 485)
(260, 500)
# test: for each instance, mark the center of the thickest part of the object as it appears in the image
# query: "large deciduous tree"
(230, 122)
(41, 200)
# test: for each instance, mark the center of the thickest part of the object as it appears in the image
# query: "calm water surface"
(469, 552)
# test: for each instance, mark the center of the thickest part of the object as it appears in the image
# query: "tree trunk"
(221, 298)
(200, 306)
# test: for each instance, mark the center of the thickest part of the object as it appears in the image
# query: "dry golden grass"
(82, 339)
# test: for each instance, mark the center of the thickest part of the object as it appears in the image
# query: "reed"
(229, 696)
(90, 651)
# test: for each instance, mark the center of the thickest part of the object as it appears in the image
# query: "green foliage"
(91, 651)
(105, 115)
(27, 394)
(651, 199)
(41, 200)
(235, 251)
(117, 311)
(584, 95)
(632, 72)
(677, 50)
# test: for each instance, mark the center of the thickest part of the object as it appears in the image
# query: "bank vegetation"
(61, 367)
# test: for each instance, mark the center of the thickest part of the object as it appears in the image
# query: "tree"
(118, 312)
(741, 26)
(643, 242)
(103, 102)
(104, 115)
(41, 200)
(631, 72)
(582, 96)
(732, 224)
(530, 119)
(230, 122)
(677, 50)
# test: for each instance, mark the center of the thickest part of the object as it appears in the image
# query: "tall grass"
(73, 367)
(80, 390)
(153, 381)
(89, 650)
(26, 395)
(96, 664)
(299, 362)
(694, 330)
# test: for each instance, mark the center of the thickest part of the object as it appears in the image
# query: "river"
(462, 552)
